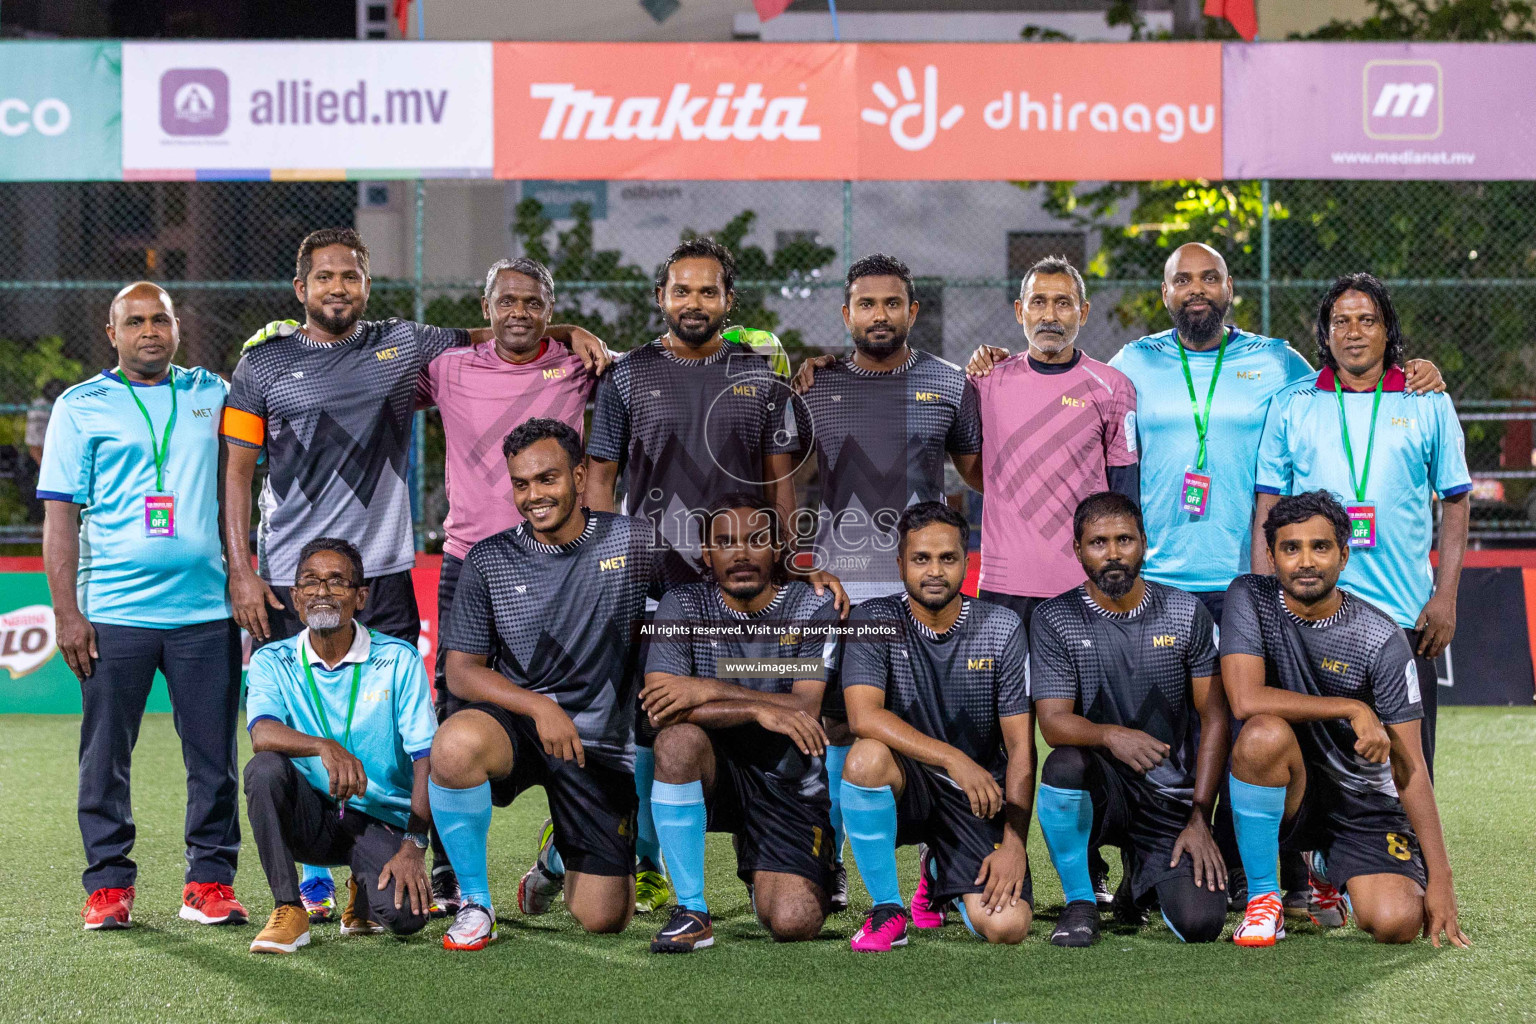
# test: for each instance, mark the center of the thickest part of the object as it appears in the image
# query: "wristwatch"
(417, 839)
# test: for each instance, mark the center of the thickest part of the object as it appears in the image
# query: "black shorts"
(391, 609)
(1352, 838)
(933, 810)
(1134, 818)
(777, 829)
(593, 808)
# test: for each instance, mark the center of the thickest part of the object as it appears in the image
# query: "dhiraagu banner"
(61, 113)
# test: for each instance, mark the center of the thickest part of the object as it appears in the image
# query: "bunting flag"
(1239, 13)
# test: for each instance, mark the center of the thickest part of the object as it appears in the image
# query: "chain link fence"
(1460, 258)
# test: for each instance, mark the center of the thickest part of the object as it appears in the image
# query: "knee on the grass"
(1264, 739)
(793, 919)
(1008, 928)
(1065, 768)
(381, 906)
(1197, 924)
(869, 764)
(1394, 924)
(679, 751)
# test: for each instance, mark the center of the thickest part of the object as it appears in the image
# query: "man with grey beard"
(341, 724)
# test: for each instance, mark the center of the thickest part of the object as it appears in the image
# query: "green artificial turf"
(165, 970)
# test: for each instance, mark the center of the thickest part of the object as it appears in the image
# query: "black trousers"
(201, 665)
(292, 821)
(391, 609)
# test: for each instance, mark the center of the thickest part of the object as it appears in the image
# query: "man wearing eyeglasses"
(341, 724)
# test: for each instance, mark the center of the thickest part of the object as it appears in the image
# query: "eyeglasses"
(313, 585)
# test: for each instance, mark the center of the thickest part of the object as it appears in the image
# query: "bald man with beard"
(131, 460)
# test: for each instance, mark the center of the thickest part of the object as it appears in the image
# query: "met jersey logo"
(927, 396)
(203, 414)
(384, 355)
(616, 562)
(1075, 403)
(1406, 422)
(1335, 666)
(556, 373)
(789, 639)
(1163, 640)
(745, 390)
(979, 664)
(1249, 374)
(374, 696)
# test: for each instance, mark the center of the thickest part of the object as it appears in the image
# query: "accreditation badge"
(1362, 525)
(160, 514)
(1196, 493)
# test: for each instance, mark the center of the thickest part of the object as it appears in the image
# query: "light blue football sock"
(462, 818)
(1256, 814)
(679, 813)
(647, 848)
(314, 871)
(869, 815)
(835, 758)
(1066, 818)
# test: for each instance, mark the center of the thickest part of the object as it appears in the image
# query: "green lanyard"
(163, 449)
(1202, 424)
(1370, 445)
(319, 705)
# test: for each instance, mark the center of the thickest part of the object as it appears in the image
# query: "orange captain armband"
(239, 425)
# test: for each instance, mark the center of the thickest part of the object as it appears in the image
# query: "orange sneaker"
(1263, 922)
(211, 903)
(108, 908)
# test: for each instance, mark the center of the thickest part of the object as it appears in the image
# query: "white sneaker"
(1263, 922)
(539, 885)
(474, 927)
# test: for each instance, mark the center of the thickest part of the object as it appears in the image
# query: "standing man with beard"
(882, 421)
(1122, 675)
(330, 404)
(690, 416)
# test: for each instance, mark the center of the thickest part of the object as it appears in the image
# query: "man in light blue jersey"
(341, 723)
(1204, 390)
(129, 483)
(1352, 431)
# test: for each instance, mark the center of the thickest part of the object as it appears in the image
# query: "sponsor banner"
(60, 111)
(1046, 111)
(933, 112)
(1424, 111)
(674, 110)
(306, 110)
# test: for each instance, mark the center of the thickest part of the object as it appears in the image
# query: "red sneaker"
(211, 903)
(108, 908)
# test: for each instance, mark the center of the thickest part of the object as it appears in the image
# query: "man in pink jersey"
(1056, 427)
(483, 391)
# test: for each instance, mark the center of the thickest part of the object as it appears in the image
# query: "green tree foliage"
(1458, 231)
(615, 299)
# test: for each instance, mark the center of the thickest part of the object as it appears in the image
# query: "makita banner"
(1428, 111)
(870, 111)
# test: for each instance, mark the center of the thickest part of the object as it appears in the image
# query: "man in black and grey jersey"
(743, 754)
(542, 642)
(883, 422)
(945, 750)
(330, 404)
(1121, 673)
(1329, 758)
(689, 417)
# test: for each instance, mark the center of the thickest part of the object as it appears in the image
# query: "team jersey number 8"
(1397, 846)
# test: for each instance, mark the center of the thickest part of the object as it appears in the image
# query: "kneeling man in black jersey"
(1121, 675)
(1329, 757)
(740, 747)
